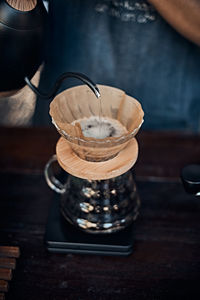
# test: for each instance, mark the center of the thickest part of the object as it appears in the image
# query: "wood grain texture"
(165, 263)
(9, 251)
(3, 286)
(23, 5)
(7, 262)
(76, 166)
(162, 154)
(2, 296)
(166, 247)
(5, 274)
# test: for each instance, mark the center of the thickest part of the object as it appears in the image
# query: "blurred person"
(150, 49)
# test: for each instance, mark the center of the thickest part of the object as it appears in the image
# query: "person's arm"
(183, 15)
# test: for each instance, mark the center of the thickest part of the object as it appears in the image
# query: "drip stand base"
(62, 237)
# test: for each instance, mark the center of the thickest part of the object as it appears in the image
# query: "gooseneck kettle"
(22, 41)
(23, 27)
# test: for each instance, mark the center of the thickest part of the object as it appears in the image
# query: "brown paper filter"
(80, 102)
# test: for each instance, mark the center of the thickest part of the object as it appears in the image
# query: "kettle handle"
(51, 180)
(51, 94)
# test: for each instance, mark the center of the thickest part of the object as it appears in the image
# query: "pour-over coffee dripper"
(79, 102)
(99, 195)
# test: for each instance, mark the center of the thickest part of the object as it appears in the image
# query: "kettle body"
(22, 42)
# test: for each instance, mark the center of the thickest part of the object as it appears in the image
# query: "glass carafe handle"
(51, 180)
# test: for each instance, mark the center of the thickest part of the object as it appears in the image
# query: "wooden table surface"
(165, 263)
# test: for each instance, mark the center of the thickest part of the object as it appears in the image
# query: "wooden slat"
(5, 274)
(7, 262)
(9, 251)
(3, 286)
(2, 296)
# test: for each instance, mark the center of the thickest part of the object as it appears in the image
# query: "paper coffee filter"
(130, 114)
(80, 102)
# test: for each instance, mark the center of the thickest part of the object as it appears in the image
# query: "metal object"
(190, 176)
(22, 42)
(51, 94)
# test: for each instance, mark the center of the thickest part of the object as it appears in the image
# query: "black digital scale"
(62, 237)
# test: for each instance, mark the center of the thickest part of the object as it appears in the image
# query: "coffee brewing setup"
(96, 199)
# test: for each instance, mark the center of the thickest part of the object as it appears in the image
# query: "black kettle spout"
(51, 94)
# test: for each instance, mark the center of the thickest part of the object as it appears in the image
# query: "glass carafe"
(96, 206)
